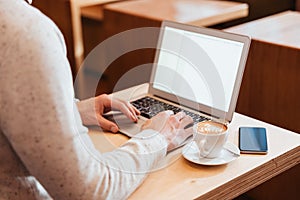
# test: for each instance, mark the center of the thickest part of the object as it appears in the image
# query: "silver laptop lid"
(200, 68)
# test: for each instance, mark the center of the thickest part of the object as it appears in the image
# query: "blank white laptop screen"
(221, 54)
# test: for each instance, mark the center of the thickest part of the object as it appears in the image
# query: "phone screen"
(253, 140)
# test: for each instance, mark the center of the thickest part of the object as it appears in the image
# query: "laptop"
(196, 70)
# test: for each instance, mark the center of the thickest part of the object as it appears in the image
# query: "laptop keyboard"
(149, 107)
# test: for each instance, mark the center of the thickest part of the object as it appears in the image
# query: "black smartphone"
(253, 140)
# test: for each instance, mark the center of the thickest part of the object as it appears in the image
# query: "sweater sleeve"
(41, 121)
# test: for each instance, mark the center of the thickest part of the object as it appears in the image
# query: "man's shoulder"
(24, 27)
(18, 19)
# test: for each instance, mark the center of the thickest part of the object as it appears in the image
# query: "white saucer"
(229, 153)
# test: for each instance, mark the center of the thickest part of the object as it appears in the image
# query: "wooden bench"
(270, 88)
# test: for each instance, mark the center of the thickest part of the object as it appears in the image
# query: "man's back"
(16, 19)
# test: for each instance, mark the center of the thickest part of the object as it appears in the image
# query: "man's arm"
(42, 123)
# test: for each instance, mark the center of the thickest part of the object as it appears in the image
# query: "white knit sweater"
(42, 139)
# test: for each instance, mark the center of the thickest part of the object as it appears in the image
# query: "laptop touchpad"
(126, 125)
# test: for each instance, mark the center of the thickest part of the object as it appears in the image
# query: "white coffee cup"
(210, 138)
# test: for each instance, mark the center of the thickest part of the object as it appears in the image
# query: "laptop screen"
(196, 66)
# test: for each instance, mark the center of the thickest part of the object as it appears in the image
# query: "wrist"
(87, 111)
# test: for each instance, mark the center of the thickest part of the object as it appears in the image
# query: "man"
(42, 138)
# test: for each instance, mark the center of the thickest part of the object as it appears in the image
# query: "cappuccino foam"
(211, 127)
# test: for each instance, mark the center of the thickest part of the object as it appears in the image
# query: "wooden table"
(184, 180)
(196, 12)
(127, 15)
(270, 88)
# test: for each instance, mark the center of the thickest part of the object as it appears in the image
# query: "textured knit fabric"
(43, 144)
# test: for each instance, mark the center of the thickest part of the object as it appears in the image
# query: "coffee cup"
(210, 138)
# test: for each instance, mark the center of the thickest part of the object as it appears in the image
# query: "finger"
(106, 100)
(186, 121)
(163, 117)
(187, 133)
(176, 119)
(125, 108)
(136, 110)
(180, 115)
(168, 113)
(133, 109)
(181, 137)
(107, 125)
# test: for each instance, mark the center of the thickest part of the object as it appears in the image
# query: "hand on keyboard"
(150, 107)
(171, 126)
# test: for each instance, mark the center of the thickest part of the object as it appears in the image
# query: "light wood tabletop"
(181, 179)
(195, 12)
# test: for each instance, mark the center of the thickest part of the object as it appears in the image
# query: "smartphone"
(253, 140)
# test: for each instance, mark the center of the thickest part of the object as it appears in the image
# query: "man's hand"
(171, 126)
(92, 110)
